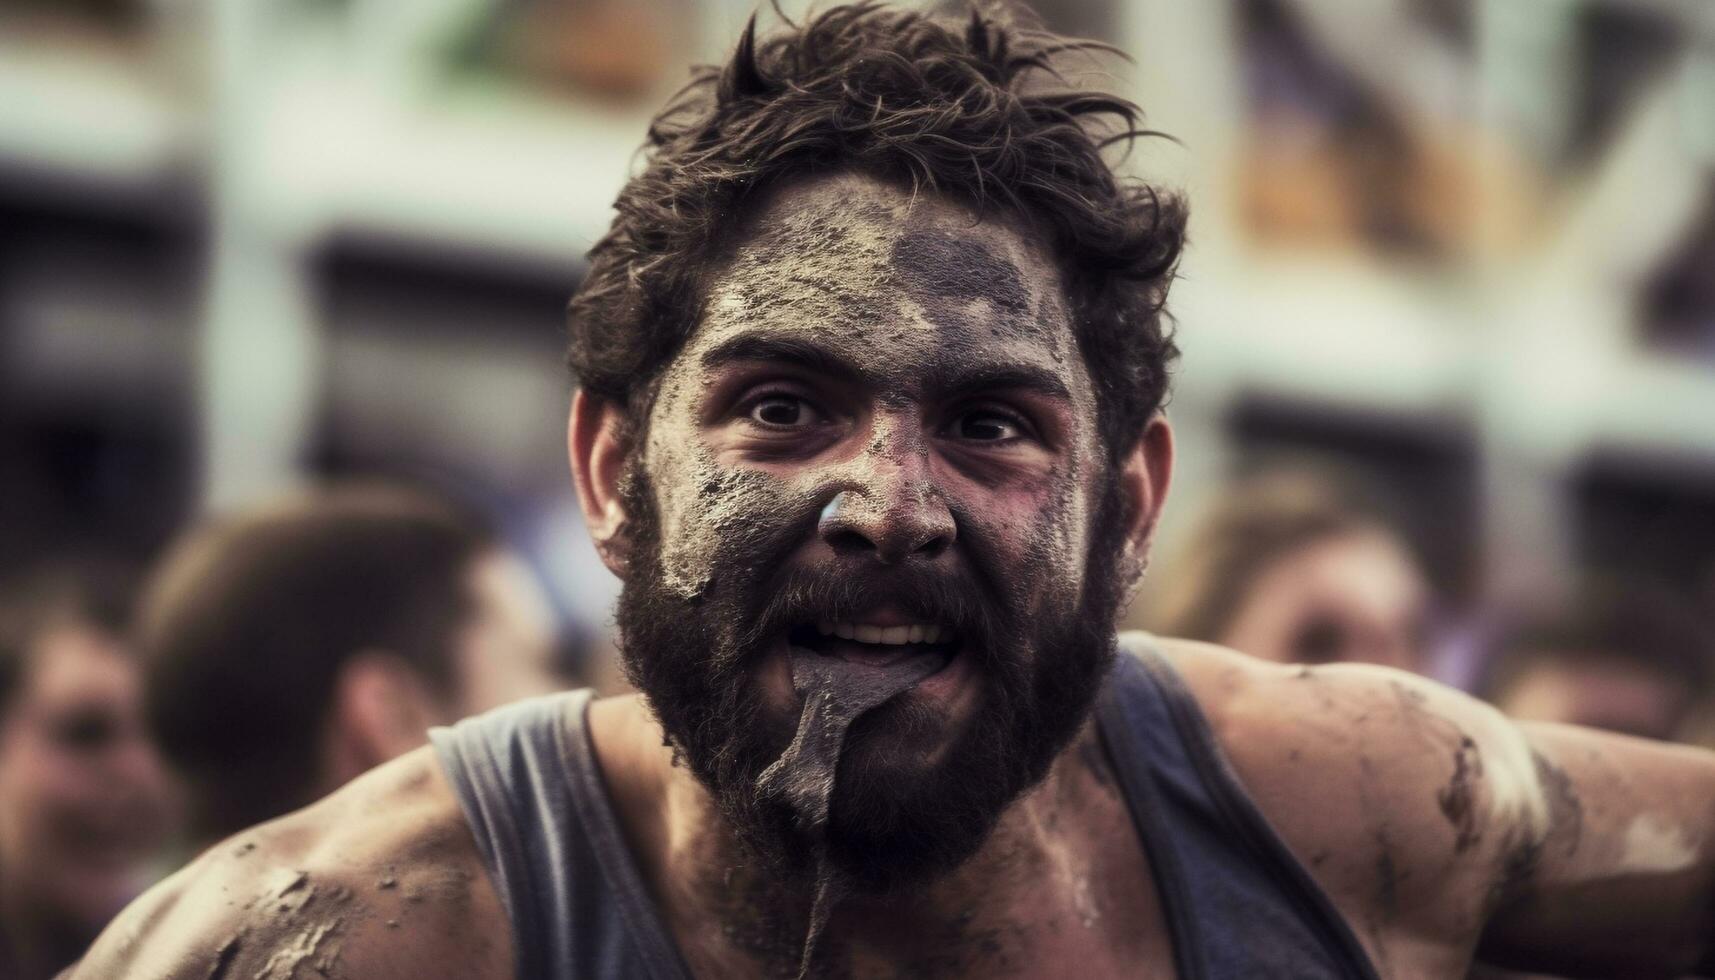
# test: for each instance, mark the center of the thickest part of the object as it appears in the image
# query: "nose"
(140, 764)
(893, 521)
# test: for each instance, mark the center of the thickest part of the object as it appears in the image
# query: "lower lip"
(944, 682)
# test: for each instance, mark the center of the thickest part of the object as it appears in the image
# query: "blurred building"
(1462, 246)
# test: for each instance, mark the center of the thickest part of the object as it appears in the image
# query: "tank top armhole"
(482, 798)
(1117, 728)
(1241, 813)
(582, 771)
(527, 780)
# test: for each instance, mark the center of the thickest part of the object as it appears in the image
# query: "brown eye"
(1319, 640)
(987, 427)
(782, 411)
(84, 731)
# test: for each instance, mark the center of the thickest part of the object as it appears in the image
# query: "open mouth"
(876, 644)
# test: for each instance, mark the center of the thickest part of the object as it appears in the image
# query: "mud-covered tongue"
(835, 693)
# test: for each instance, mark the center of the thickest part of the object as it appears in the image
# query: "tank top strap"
(1236, 901)
(528, 781)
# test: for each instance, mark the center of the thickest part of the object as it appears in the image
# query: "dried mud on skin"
(297, 922)
(835, 694)
(1458, 799)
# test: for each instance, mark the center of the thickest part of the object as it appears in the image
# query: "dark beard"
(891, 823)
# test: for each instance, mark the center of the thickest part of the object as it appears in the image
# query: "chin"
(911, 736)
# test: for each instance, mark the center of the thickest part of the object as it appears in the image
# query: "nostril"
(934, 547)
(848, 540)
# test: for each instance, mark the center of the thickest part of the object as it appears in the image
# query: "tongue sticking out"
(835, 693)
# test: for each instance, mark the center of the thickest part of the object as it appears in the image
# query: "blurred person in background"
(1624, 659)
(295, 646)
(1297, 567)
(83, 797)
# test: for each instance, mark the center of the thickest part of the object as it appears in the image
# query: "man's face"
(880, 440)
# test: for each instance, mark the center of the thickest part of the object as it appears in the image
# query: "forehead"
(895, 281)
(72, 662)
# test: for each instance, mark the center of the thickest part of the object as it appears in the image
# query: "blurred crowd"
(336, 261)
(266, 659)
(1307, 568)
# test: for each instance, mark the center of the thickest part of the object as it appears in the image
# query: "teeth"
(885, 635)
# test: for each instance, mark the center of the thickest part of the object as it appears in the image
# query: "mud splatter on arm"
(1407, 802)
(1443, 830)
(1622, 881)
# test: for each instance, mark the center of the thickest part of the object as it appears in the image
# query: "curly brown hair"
(906, 97)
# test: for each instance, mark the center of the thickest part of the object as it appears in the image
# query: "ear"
(595, 441)
(382, 709)
(1144, 478)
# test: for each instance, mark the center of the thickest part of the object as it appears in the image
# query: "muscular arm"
(381, 880)
(1442, 830)
(1624, 883)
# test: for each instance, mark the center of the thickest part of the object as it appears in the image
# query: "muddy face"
(880, 444)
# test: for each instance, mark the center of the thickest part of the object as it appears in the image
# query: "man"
(294, 646)
(869, 427)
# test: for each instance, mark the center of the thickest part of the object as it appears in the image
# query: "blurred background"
(1461, 251)
(1454, 258)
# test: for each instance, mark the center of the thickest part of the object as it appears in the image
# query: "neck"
(1034, 890)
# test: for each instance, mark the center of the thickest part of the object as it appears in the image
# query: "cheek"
(708, 510)
(40, 789)
(63, 782)
(1036, 536)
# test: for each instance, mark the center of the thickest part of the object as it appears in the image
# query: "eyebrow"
(966, 380)
(949, 380)
(784, 350)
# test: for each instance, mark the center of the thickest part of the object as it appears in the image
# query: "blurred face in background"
(1353, 596)
(82, 793)
(505, 651)
(1607, 692)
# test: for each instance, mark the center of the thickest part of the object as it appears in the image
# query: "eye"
(84, 731)
(1320, 639)
(987, 426)
(783, 412)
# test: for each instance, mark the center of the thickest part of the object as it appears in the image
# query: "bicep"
(1619, 875)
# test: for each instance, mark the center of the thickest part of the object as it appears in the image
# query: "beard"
(911, 799)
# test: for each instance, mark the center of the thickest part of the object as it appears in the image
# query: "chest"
(1095, 906)
(1037, 946)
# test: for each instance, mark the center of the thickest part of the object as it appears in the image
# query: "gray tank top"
(1237, 903)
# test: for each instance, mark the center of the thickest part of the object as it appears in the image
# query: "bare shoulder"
(380, 880)
(1409, 802)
